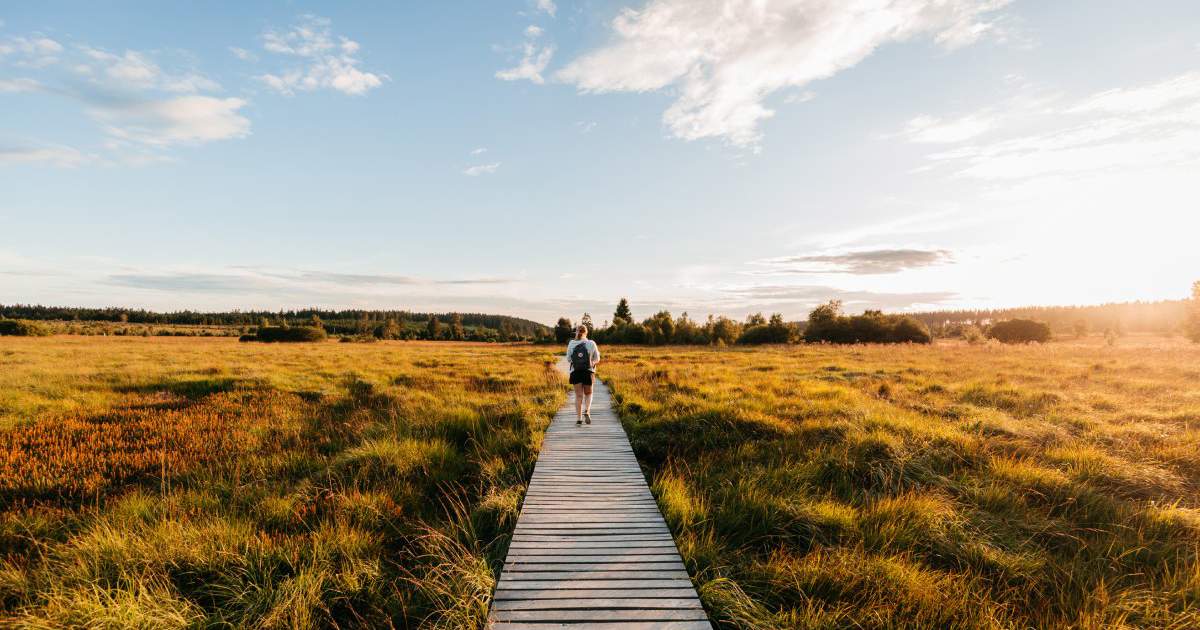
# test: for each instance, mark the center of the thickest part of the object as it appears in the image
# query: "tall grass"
(201, 482)
(952, 486)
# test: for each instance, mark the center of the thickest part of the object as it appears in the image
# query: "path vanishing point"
(591, 550)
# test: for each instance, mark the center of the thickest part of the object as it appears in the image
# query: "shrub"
(297, 334)
(1020, 331)
(776, 331)
(23, 328)
(242, 338)
(827, 324)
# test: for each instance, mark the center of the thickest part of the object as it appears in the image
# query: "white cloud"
(35, 51)
(726, 56)
(181, 120)
(243, 54)
(930, 129)
(534, 59)
(331, 63)
(52, 155)
(19, 85)
(548, 7)
(133, 70)
(139, 105)
(481, 169)
(585, 126)
(1143, 127)
(533, 31)
(479, 151)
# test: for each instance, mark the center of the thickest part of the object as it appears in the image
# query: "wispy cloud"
(1147, 126)
(134, 70)
(789, 297)
(180, 120)
(933, 130)
(243, 54)
(331, 63)
(141, 106)
(13, 86)
(56, 155)
(35, 51)
(238, 280)
(547, 6)
(863, 262)
(479, 151)
(725, 58)
(481, 169)
(477, 281)
(534, 59)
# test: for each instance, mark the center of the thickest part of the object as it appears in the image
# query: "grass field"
(159, 483)
(951, 486)
(175, 482)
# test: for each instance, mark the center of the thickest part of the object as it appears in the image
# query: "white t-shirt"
(592, 350)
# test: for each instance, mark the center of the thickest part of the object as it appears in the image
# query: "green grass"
(168, 483)
(936, 487)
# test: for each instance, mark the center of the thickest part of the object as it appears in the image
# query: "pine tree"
(1193, 323)
(622, 315)
(587, 321)
(456, 327)
(433, 329)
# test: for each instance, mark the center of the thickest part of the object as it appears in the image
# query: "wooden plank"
(605, 593)
(613, 603)
(656, 574)
(511, 585)
(591, 549)
(604, 625)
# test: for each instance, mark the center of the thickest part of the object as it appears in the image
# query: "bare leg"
(587, 399)
(579, 402)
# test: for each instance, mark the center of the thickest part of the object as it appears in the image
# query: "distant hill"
(1152, 317)
(335, 321)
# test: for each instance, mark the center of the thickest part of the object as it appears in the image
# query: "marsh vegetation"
(927, 486)
(202, 482)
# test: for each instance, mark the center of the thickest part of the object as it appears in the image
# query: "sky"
(545, 157)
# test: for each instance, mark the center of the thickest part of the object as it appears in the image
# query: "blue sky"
(543, 158)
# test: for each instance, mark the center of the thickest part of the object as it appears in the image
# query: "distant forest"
(1165, 317)
(399, 323)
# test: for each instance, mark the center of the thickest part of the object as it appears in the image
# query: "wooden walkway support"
(591, 549)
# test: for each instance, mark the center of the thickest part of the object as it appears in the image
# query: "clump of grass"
(953, 486)
(149, 482)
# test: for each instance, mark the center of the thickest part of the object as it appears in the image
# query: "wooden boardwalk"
(591, 549)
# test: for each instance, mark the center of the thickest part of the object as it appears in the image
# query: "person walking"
(582, 356)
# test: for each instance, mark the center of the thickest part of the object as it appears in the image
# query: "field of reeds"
(172, 482)
(951, 486)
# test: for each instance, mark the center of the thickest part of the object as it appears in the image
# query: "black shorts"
(581, 377)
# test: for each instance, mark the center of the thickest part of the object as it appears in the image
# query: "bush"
(242, 338)
(297, 334)
(23, 328)
(827, 324)
(1020, 331)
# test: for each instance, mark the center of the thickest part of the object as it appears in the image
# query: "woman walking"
(582, 356)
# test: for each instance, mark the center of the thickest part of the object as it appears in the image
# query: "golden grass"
(171, 482)
(946, 486)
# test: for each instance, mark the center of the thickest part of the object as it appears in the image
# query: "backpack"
(581, 357)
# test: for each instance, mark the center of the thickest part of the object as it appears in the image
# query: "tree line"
(383, 324)
(1162, 317)
(825, 324)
